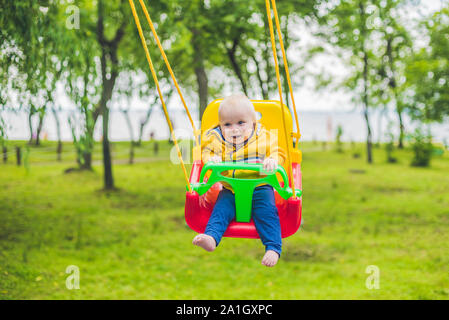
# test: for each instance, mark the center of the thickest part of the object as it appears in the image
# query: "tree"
(3, 105)
(56, 44)
(242, 33)
(192, 44)
(428, 71)
(103, 29)
(110, 69)
(31, 40)
(3, 131)
(348, 26)
(397, 44)
(81, 77)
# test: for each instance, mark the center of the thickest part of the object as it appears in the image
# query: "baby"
(239, 137)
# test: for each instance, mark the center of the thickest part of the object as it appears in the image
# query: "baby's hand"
(270, 164)
(215, 159)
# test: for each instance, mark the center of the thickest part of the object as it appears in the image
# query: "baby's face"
(236, 125)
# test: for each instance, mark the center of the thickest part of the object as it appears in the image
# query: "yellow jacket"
(260, 145)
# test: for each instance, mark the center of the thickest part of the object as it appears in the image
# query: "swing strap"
(164, 56)
(278, 78)
(153, 72)
(287, 72)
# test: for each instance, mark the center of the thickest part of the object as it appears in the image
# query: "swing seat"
(199, 203)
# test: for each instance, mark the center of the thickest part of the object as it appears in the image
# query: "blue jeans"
(264, 214)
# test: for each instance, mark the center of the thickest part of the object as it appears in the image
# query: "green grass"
(133, 243)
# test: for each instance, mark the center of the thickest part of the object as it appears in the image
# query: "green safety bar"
(243, 188)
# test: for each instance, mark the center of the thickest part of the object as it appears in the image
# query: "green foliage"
(371, 31)
(30, 49)
(428, 72)
(422, 148)
(3, 134)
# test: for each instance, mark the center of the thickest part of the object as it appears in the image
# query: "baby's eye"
(241, 122)
(227, 124)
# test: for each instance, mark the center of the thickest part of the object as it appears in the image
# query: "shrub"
(422, 148)
(338, 142)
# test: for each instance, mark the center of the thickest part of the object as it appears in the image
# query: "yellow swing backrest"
(270, 114)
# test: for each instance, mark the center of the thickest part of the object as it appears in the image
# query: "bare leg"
(267, 223)
(222, 214)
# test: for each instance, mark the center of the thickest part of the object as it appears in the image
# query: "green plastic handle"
(243, 188)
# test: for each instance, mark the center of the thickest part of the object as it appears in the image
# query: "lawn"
(133, 243)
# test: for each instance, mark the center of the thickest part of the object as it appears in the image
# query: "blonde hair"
(240, 102)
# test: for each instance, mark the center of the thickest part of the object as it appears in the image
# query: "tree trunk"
(18, 156)
(401, 127)
(366, 109)
(368, 137)
(39, 128)
(58, 132)
(87, 161)
(59, 150)
(131, 153)
(30, 126)
(89, 138)
(5, 154)
(200, 71)
(109, 49)
(262, 84)
(156, 148)
(393, 86)
(284, 74)
(267, 56)
(235, 66)
(107, 159)
(202, 81)
(286, 90)
(365, 86)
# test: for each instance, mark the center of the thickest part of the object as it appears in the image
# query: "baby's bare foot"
(270, 258)
(204, 241)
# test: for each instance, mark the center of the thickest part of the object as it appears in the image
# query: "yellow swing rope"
(150, 63)
(153, 30)
(278, 78)
(284, 56)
